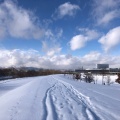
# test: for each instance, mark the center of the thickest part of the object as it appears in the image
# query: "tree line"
(18, 73)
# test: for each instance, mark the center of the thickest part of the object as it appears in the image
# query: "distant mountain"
(29, 68)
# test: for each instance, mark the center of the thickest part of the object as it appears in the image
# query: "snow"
(58, 97)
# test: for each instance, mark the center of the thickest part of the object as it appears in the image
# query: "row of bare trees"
(89, 77)
(16, 73)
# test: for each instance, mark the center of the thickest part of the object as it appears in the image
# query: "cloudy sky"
(59, 34)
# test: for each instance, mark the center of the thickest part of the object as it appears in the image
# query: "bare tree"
(103, 72)
(108, 80)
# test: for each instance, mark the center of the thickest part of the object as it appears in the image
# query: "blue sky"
(59, 34)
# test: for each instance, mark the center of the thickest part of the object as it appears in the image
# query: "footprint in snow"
(61, 105)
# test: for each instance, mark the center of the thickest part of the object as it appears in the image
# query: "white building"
(102, 66)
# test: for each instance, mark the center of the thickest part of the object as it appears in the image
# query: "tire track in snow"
(62, 102)
(49, 108)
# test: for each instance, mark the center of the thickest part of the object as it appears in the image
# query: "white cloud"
(59, 33)
(53, 51)
(66, 9)
(91, 34)
(51, 48)
(93, 58)
(53, 35)
(108, 17)
(18, 22)
(51, 45)
(49, 34)
(80, 40)
(111, 39)
(104, 11)
(2, 32)
(32, 58)
(77, 42)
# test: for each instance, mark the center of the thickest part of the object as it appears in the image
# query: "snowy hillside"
(58, 97)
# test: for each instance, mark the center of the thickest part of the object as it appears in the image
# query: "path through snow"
(63, 102)
(55, 98)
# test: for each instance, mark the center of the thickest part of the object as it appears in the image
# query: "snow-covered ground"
(58, 97)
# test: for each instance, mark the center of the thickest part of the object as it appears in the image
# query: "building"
(102, 66)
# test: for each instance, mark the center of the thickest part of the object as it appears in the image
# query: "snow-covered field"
(58, 97)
